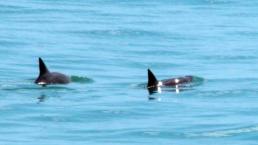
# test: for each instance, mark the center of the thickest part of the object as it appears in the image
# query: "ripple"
(227, 133)
(81, 79)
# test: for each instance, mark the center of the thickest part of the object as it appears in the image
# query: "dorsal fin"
(152, 80)
(42, 67)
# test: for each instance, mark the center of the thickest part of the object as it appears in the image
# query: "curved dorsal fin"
(42, 67)
(152, 80)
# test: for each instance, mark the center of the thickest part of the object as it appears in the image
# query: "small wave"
(82, 80)
(20, 87)
(117, 32)
(28, 84)
(226, 133)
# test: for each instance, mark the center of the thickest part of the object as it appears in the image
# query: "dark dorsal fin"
(42, 67)
(152, 80)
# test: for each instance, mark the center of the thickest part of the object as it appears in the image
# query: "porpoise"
(46, 77)
(154, 84)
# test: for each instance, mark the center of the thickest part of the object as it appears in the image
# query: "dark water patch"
(11, 43)
(14, 124)
(8, 9)
(20, 11)
(249, 34)
(14, 7)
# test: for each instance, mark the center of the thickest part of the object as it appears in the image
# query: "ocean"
(107, 47)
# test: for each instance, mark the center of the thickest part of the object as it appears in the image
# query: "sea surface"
(107, 47)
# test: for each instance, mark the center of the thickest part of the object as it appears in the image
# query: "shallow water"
(108, 46)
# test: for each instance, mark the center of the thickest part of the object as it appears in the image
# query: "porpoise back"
(46, 77)
(154, 83)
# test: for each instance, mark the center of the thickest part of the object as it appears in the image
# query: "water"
(107, 46)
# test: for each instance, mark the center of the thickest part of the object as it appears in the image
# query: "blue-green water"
(107, 45)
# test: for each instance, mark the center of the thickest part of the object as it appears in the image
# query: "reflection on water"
(41, 98)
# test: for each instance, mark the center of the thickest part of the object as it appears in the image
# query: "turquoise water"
(107, 45)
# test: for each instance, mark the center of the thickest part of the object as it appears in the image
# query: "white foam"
(42, 83)
(177, 81)
(160, 84)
